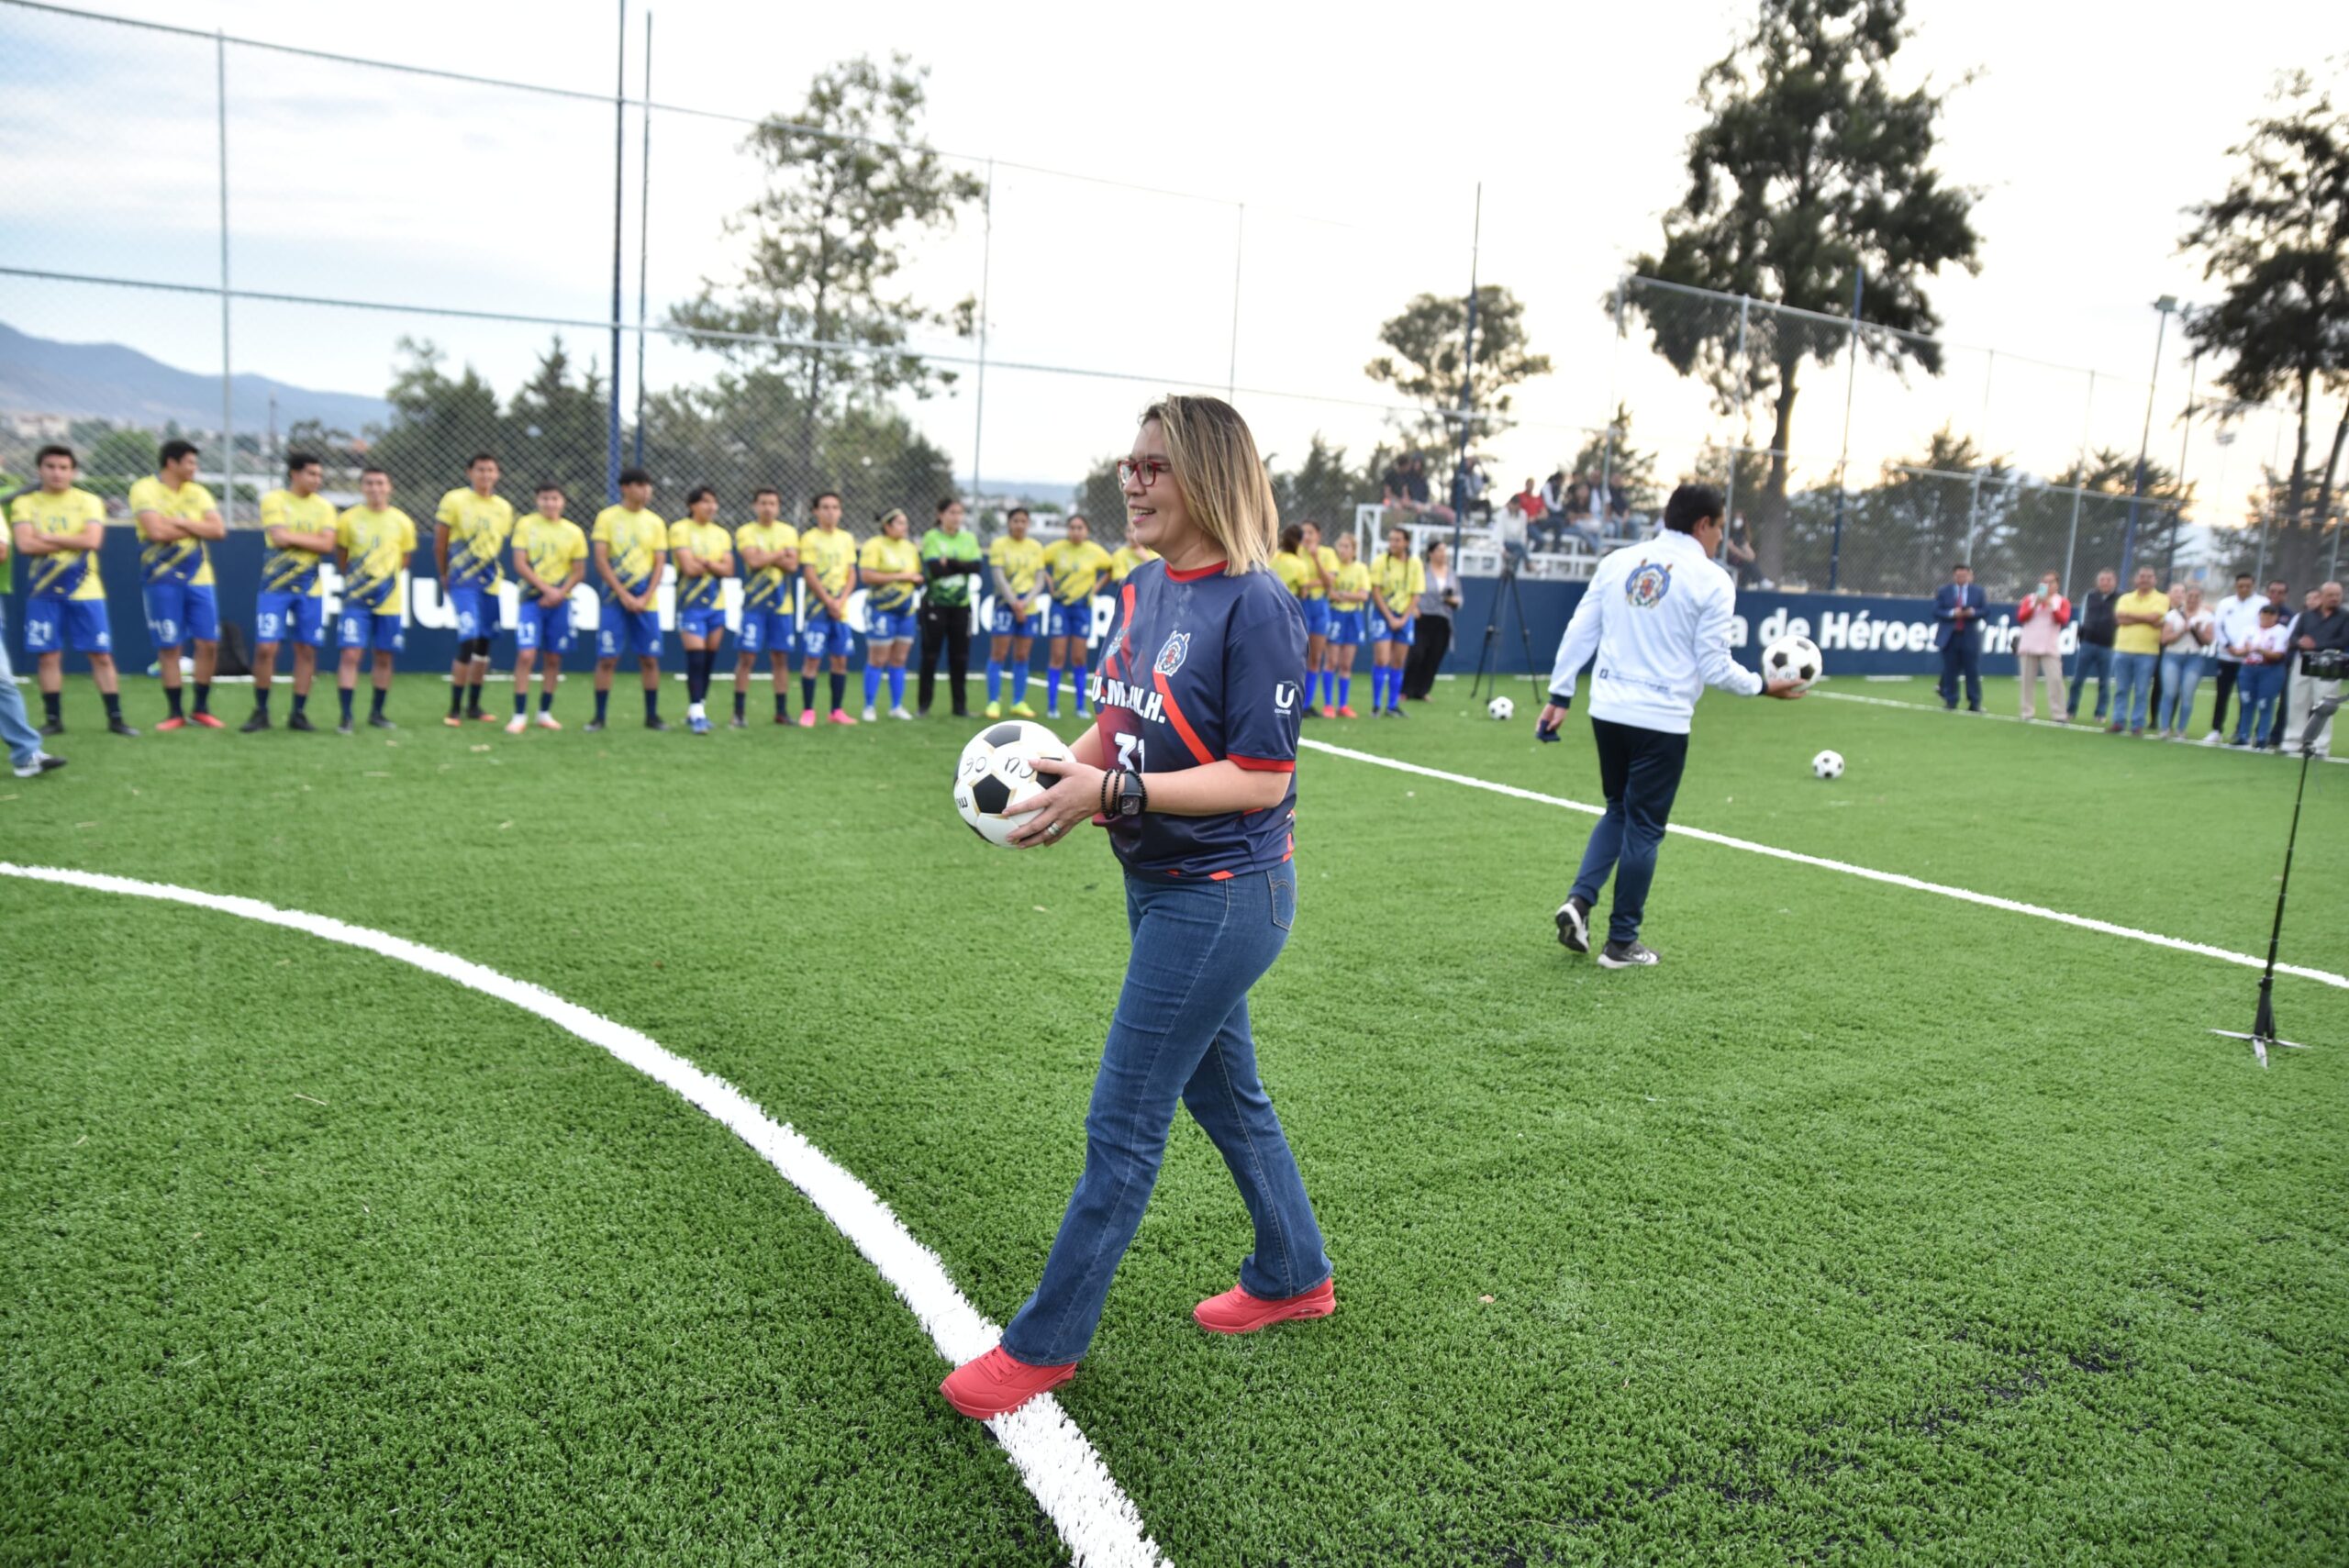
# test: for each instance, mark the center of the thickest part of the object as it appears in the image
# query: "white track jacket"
(1656, 618)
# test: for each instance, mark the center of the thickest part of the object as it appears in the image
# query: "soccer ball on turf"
(1792, 659)
(1828, 765)
(1501, 708)
(997, 768)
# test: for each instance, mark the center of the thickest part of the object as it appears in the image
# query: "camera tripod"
(2262, 1024)
(1487, 656)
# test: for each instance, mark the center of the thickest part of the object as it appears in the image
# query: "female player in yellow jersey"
(1076, 568)
(1397, 580)
(1313, 598)
(1014, 564)
(890, 568)
(1349, 592)
(1122, 562)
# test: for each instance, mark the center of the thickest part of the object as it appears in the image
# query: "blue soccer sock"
(651, 705)
(1052, 690)
(1345, 685)
(521, 699)
(1379, 687)
(603, 705)
(1076, 690)
(546, 697)
(1019, 682)
(897, 686)
(871, 683)
(806, 693)
(995, 680)
(1330, 686)
(345, 693)
(839, 692)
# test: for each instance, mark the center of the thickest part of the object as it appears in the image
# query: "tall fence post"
(1728, 504)
(1467, 375)
(643, 238)
(1239, 241)
(979, 393)
(620, 207)
(227, 377)
(1974, 491)
(2079, 473)
(1850, 385)
(1614, 373)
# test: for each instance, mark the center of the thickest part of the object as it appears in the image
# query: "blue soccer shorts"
(50, 624)
(1345, 629)
(477, 610)
(537, 627)
(767, 631)
(379, 629)
(1073, 620)
(820, 635)
(1316, 615)
(889, 626)
(1003, 623)
(638, 630)
(290, 618)
(701, 621)
(178, 611)
(1400, 634)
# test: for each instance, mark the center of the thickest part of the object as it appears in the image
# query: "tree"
(554, 431)
(1626, 470)
(438, 422)
(1809, 169)
(849, 183)
(1319, 490)
(1427, 341)
(2280, 239)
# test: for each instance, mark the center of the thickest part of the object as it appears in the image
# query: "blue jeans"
(2181, 672)
(1639, 771)
(1180, 1032)
(16, 726)
(2133, 687)
(2259, 705)
(2091, 659)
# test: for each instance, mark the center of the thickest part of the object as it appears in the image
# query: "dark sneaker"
(343, 728)
(739, 722)
(299, 720)
(1626, 955)
(117, 727)
(591, 726)
(255, 724)
(377, 721)
(1573, 925)
(655, 724)
(52, 728)
(43, 762)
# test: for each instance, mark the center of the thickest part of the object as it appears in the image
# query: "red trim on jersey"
(1218, 877)
(1199, 753)
(1195, 572)
(1262, 764)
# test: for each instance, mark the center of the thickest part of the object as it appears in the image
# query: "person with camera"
(1436, 608)
(2320, 646)
(1657, 618)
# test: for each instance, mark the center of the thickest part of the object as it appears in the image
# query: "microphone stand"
(2263, 1025)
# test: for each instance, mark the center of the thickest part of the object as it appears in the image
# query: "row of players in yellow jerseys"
(1347, 602)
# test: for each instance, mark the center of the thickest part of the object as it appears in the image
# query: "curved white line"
(1095, 1518)
(1890, 878)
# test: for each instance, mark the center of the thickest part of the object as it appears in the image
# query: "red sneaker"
(1346, 713)
(175, 722)
(453, 722)
(996, 1385)
(206, 720)
(841, 716)
(1329, 712)
(1237, 1312)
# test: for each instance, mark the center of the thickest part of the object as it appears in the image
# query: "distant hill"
(108, 381)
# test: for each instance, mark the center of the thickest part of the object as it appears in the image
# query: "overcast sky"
(1356, 145)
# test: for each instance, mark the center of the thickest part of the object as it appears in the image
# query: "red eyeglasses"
(1149, 471)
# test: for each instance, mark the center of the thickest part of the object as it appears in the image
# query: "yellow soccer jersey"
(707, 540)
(180, 560)
(70, 574)
(1128, 557)
(833, 555)
(769, 587)
(1352, 587)
(1296, 572)
(1322, 560)
(1019, 560)
(553, 547)
(1075, 568)
(636, 539)
(289, 569)
(882, 553)
(1398, 584)
(478, 527)
(372, 543)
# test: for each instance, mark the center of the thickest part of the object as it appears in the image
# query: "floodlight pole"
(979, 392)
(620, 207)
(1851, 385)
(2165, 305)
(1467, 377)
(643, 238)
(228, 378)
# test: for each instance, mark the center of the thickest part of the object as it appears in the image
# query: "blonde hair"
(1214, 461)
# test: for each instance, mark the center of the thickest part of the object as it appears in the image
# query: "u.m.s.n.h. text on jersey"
(1204, 667)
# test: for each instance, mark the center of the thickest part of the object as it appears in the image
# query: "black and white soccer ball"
(1792, 659)
(997, 770)
(1827, 765)
(1501, 708)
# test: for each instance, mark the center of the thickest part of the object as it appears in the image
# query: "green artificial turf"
(1870, 1226)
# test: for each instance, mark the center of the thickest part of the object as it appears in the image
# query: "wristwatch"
(1131, 794)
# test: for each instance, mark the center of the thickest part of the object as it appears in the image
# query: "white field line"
(2082, 728)
(1891, 879)
(1054, 1460)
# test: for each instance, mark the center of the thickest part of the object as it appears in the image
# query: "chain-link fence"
(473, 266)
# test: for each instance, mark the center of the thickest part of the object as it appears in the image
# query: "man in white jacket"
(1657, 620)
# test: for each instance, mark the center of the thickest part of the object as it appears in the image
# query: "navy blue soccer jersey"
(1204, 667)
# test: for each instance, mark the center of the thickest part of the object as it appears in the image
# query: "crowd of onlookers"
(2148, 650)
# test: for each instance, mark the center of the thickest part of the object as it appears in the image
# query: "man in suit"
(1958, 605)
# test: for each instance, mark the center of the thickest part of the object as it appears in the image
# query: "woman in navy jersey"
(1191, 767)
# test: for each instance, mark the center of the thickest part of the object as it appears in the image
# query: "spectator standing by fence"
(2039, 651)
(2095, 652)
(1957, 612)
(2235, 619)
(2136, 652)
(1433, 640)
(2188, 632)
(2324, 629)
(1739, 554)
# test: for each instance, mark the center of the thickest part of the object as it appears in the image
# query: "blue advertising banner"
(1858, 635)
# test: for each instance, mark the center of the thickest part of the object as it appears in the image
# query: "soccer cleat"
(697, 726)
(871, 716)
(516, 725)
(53, 727)
(839, 715)
(377, 721)
(117, 727)
(2214, 738)
(1237, 1312)
(1626, 955)
(1021, 710)
(453, 721)
(480, 717)
(739, 722)
(656, 722)
(255, 724)
(1346, 712)
(899, 711)
(297, 720)
(591, 726)
(206, 720)
(995, 710)
(175, 722)
(783, 718)
(996, 1385)
(43, 762)
(807, 718)
(343, 728)
(1573, 925)
(547, 721)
